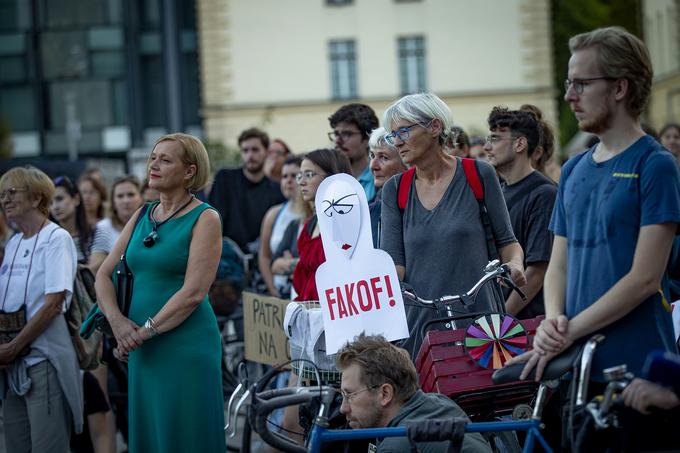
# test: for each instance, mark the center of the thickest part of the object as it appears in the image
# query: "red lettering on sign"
(331, 301)
(368, 304)
(349, 289)
(376, 290)
(342, 310)
(366, 293)
(389, 291)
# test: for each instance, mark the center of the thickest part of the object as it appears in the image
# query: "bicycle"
(485, 393)
(453, 362)
(262, 402)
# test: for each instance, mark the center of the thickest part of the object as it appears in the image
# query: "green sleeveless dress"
(174, 379)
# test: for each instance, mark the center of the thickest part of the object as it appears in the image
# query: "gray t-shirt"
(444, 250)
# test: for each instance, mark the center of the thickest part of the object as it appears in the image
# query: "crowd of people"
(590, 253)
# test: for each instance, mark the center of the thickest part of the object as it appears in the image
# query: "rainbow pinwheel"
(495, 338)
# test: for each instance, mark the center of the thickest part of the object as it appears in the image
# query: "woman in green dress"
(170, 338)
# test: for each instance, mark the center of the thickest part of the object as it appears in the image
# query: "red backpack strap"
(472, 176)
(404, 186)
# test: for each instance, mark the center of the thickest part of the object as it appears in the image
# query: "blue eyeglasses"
(402, 134)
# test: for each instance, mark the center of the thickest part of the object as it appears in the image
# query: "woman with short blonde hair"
(170, 335)
(36, 285)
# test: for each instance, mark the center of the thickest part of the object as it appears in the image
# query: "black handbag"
(123, 285)
(123, 274)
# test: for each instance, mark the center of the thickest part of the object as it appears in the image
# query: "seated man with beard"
(380, 389)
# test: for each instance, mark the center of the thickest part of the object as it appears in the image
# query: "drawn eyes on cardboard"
(340, 208)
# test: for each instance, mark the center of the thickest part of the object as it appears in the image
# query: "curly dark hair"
(520, 123)
(381, 362)
(361, 115)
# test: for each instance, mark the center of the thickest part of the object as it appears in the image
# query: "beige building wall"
(266, 62)
(662, 36)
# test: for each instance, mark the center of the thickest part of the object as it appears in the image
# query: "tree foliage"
(571, 17)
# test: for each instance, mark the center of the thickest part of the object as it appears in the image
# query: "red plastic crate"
(444, 367)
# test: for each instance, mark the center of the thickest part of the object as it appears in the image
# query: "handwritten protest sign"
(265, 339)
(358, 285)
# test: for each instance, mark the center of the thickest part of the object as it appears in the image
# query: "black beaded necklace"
(151, 239)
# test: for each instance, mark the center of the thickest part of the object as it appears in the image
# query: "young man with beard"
(243, 195)
(616, 213)
(380, 389)
(352, 126)
(530, 196)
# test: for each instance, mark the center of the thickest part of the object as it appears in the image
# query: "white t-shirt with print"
(52, 271)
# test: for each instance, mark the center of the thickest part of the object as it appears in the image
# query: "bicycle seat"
(555, 369)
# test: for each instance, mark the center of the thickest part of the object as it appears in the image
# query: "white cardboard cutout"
(358, 285)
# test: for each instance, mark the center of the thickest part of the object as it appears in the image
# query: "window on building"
(343, 69)
(412, 64)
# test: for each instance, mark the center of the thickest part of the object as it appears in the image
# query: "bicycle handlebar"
(492, 271)
(268, 401)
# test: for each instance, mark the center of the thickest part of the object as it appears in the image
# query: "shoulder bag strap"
(471, 170)
(142, 213)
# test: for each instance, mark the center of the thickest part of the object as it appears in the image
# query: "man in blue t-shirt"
(615, 217)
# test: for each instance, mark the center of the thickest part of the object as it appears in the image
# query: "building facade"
(93, 78)
(286, 66)
(661, 29)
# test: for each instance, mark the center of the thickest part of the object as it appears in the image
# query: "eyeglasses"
(493, 139)
(306, 175)
(10, 193)
(344, 135)
(402, 134)
(348, 396)
(578, 84)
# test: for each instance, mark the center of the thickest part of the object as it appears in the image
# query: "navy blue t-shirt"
(600, 209)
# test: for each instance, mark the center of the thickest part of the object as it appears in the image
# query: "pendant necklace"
(151, 239)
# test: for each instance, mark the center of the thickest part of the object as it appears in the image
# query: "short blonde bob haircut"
(40, 187)
(192, 153)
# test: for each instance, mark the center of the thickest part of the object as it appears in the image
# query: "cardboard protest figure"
(358, 285)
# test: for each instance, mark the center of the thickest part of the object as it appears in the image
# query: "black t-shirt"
(530, 204)
(242, 204)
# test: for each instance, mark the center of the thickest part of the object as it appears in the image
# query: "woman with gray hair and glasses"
(438, 242)
(384, 163)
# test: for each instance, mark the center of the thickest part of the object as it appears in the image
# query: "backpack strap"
(471, 170)
(472, 175)
(474, 180)
(404, 185)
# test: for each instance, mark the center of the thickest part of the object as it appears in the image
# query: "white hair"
(421, 109)
(377, 139)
